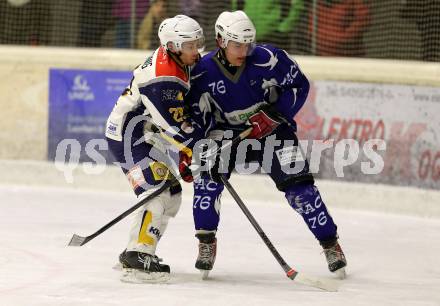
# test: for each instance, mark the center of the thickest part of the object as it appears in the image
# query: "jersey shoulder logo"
(148, 62)
(273, 60)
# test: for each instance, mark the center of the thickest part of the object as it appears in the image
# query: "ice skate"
(118, 266)
(140, 267)
(207, 252)
(335, 257)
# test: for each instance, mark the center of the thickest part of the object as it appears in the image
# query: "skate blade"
(341, 274)
(139, 277)
(204, 274)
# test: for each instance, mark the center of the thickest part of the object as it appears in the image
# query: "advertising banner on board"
(347, 116)
(79, 103)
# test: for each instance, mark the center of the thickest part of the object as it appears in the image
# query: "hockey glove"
(264, 123)
(184, 167)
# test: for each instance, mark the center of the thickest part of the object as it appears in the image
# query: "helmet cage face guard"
(189, 46)
(185, 38)
(234, 48)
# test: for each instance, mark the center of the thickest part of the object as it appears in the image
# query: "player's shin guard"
(306, 200)
(145, 230)
(139, 262)
(206, 204)
(206, 211)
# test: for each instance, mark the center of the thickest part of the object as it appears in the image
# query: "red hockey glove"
(185, 171)
(263, 124)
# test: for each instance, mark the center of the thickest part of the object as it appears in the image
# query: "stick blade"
(77, 240)
(320, 283)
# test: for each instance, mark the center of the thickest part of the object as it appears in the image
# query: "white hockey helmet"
(235, 26)
(180, 29)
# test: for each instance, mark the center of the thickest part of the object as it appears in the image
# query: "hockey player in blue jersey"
(154, 101)
(242, 84)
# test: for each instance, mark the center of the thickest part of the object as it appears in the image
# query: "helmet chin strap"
(176, 57)
(221, 55)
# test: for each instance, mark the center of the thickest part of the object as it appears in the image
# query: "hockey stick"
(77, 240)
(299, 277)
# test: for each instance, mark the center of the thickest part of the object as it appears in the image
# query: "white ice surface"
(392, 259)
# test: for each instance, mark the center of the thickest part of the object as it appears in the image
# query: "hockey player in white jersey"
(244, 83)
(154, 101)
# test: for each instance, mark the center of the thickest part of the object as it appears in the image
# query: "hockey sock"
(206, 204)
(306, 200)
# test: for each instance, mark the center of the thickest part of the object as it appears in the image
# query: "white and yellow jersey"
(157, 92)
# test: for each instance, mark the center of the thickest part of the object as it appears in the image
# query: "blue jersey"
(222, 100)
